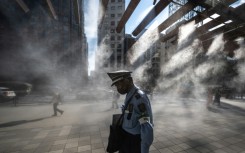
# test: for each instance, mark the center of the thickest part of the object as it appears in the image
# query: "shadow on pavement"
(233, 107)
(227, 108)
(14, 123)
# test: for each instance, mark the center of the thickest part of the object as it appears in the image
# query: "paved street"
(181, 125)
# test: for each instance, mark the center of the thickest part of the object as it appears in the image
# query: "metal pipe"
(23, 5)
(52, 9)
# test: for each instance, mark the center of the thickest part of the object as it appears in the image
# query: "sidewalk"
(181, 125)
(235, 102)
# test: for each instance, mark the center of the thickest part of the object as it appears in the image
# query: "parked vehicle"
(6, 94)
(20, 88)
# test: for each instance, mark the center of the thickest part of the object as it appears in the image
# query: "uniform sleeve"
(146, 137)
(146, 127)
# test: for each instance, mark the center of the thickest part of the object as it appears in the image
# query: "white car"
(6, 94)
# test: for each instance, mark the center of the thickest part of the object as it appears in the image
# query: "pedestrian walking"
(137, 126)
(209, 92)
(217, 96)
(56, 100)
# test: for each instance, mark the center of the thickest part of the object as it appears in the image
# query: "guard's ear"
(126, 81)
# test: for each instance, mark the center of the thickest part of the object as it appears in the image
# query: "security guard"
(137, 120)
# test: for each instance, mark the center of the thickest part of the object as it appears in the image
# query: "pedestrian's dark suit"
(56, 100)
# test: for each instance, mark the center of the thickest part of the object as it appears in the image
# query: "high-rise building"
(72, 41)
(112, 41)
(47, 40)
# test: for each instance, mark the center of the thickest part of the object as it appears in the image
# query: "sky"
(142, 9)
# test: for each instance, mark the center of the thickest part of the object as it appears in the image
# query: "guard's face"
(122, 86)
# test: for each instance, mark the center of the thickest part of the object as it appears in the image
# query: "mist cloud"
(190, 67)
(142, 45)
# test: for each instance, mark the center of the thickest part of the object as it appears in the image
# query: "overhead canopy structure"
(130, 9)
(150, 16)
(231, 30)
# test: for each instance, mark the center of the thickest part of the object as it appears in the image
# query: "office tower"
(108, 37)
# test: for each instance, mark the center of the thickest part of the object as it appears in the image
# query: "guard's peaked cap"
(119, 75)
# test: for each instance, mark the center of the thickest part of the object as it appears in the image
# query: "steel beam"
(213, 3)
(128, 12)
(203, 15)
(50, 5)
(177, 15)
(229, 13)
(229, 34)
(211, 24)
(151, 15)
(226, 11)
(228, 37)
(23, 5)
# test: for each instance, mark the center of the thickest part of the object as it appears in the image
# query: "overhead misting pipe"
(240, 26)
(50, 5)
(23, 5)
(193, 10)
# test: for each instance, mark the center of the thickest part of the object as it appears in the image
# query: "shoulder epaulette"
(137, 94)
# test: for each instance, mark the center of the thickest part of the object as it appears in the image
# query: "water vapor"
(142, 45)
(190, 67)
(217, 46)
(103, 53)
(240, 56)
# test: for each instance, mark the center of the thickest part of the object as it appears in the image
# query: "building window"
(112, 37)
(119, 15)
(113, 8)
(112, 15)
(118, 59)
(119, 0)
(118, 37)
(112, 45)
(112, 1)
(119, 46)
(112, 23)
(119, 7)
(112, 30)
